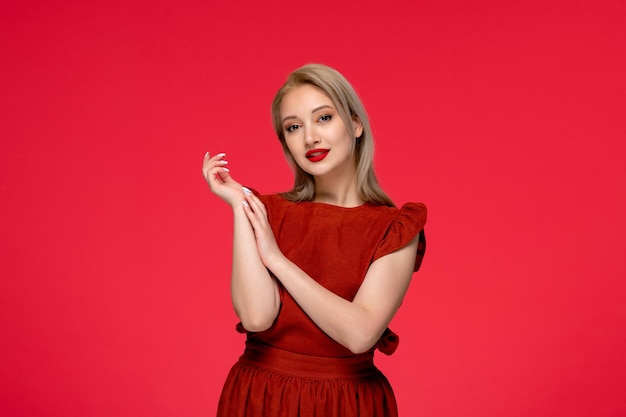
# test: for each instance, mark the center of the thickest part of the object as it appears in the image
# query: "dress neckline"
(321, 204)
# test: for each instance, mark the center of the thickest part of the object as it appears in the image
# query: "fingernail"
(206, 155)
(225, 169)
(246, 190)
(223, 162)
(245, 203)
(221, 155)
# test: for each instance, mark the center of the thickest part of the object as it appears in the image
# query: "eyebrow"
(312, 111)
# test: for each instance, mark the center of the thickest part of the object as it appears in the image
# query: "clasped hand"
(225, 187)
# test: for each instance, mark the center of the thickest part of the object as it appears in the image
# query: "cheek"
(343, 137)
(289, 157)
(291, 146)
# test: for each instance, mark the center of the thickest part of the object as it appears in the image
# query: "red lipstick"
(316, 155)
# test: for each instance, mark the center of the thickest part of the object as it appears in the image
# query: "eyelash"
(323, 119)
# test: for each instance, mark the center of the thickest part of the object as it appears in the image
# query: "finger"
(252, 217)
(217, 159)
(217, 156)
(209, 164)
(256, 204)
(211, 171)
(209, 160)
(216, 176)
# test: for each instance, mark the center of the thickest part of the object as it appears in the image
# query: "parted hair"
(350, 108)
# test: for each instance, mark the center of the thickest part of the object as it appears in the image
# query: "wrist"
(276, 262)
(236, 205)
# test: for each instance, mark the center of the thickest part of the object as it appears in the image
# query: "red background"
(505, 118)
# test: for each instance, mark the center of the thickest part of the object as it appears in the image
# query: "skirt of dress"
(272, 382)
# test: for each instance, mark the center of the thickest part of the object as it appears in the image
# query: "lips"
(316, 155)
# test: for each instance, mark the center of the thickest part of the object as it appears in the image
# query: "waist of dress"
(307, 366)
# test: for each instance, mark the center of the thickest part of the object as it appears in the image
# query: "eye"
(325, 118)
(292, 128)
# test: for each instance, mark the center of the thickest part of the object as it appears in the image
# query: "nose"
(310, 136)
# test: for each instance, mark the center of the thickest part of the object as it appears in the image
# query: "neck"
(339, 191)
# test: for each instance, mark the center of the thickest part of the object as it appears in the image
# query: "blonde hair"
(350, 108)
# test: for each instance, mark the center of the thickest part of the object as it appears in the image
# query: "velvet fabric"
(294, 368)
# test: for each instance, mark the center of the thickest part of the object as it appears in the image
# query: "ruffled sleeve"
(409, 222)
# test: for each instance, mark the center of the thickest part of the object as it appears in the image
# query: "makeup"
(316, 155)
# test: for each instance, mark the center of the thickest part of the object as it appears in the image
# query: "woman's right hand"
(220, 182)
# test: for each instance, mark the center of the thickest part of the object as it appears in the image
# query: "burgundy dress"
(295, 369)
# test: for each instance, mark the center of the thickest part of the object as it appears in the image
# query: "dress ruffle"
(409, 222)
(388, 342)
(272, 382)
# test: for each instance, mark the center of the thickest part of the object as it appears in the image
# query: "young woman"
(319, 271)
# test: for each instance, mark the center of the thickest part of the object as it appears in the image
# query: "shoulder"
(410, 215)
(403, 225)
(414, 213)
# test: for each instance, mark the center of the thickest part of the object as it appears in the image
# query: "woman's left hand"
(265, 241)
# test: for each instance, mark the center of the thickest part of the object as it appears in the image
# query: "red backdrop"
(505, 118)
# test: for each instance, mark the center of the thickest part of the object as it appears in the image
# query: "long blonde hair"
(350, 108)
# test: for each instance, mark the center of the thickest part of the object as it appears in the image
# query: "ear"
(358, 127)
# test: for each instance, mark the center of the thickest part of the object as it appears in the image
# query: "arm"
(254, 292)
(356, 324)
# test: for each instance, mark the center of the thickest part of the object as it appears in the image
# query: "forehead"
(304, 99)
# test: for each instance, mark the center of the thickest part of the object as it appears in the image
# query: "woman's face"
(315, 134)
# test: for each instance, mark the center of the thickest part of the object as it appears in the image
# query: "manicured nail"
(206, 155)
(221, 155)
(225, 169)
(223, 162)
(246, 190)
(245, 203)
